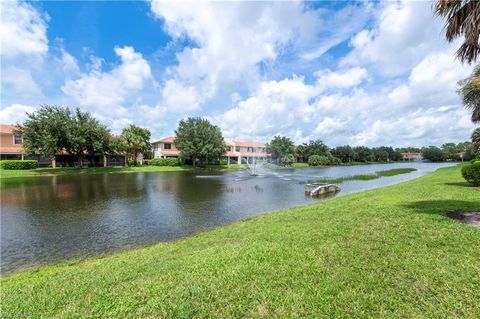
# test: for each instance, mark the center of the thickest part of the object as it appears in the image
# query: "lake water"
(54, 218)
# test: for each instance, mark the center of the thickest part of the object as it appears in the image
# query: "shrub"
(315, 160)
(132, 163)
(318, 160)
(471, 173)
(335, 160)
(163, 162)
(18, 164)
(223, 162)
(287, 160)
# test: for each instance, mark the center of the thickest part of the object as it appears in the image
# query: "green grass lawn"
(300, 165)
(4, 173)
(385, 253)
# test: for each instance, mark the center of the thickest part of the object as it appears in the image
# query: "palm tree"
(462, 18)
(300, 152)
(470, 92)
(136, 141)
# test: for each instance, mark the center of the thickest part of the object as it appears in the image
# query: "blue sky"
(360, 73)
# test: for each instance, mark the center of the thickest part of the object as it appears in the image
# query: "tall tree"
(465, 151)
(393, 155)
(45, 132)
(462, 20)
(363, 154)
(433, 153)
(301, 153)
(470, 93)
(136, 141)
(117, 146)
(451, 151)
(51, 130)
(281, 148)
(344, 153)
(86, 136)
(199, 140)
(316, 147)
(381, 154)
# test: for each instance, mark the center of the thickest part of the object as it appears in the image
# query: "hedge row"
(18, 164)
(163, 162)
(471, 172)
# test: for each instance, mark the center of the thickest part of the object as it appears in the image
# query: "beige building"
(237, 151)
(11, 145)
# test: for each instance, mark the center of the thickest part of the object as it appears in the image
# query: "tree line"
(316, 152)
(54, 130)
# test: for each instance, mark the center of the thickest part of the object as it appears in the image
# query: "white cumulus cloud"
(404, 32)
(23, 30)
(230, 39)
(15, 113)
(105, 93)
(24, 44)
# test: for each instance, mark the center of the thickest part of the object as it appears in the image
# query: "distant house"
(412, 156)
(237, 151)
(11, 145)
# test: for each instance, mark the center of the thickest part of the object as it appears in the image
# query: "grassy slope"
(101, 170)
(383, 253)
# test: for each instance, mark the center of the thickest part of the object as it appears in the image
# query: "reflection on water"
(55, 218)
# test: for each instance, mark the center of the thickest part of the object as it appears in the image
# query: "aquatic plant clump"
(366, 177)
(348, 178)
(396, 171)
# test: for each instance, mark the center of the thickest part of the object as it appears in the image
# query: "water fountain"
(252, 169)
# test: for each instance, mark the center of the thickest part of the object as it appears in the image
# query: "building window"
(237, 149)
(168, 146)
(17, 139)
(229, 148)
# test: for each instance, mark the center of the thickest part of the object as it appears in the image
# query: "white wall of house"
(240, 153)
(161, 149)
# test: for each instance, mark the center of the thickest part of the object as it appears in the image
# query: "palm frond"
(462, 18)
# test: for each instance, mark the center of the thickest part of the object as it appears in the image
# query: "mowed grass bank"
(384, 253)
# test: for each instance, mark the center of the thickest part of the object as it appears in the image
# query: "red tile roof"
(7, 128)
(17, 149)
(169, 139)
(249, 144)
